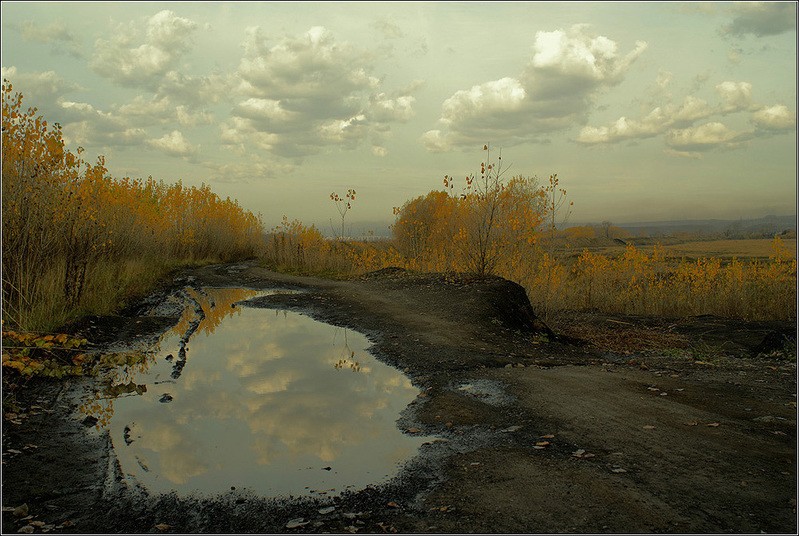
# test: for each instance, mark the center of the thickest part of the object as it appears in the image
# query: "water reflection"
(260, 402)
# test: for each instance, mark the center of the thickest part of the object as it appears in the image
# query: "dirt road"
(536, 434)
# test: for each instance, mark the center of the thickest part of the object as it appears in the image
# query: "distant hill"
(764, 227)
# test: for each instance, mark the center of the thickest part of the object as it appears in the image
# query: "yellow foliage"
(61, 212)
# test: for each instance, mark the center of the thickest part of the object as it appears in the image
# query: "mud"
(610, 424)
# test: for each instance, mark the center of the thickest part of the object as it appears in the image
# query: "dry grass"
(754, 248)
(748, 248)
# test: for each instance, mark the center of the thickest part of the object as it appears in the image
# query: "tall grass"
(77, 240)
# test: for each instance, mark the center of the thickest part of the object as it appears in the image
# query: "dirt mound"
(485, 300)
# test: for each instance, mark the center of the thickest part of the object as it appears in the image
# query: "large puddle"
(257, 399)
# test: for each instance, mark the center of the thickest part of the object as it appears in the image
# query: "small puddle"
(257, 399)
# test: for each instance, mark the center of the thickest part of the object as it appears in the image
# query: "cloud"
(734, 97)
(56, 34)
(762, 19)
(143, 65)
(774, 118)
(173, 144)
(554, 91)
(704, 138)
(246, 171)
(388, 29)
(86, 126)
(39, 89)
(309, 92)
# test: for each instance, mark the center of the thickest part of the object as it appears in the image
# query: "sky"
(646, 111)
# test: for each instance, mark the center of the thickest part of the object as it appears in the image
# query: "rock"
(296, 523)
(90, 420)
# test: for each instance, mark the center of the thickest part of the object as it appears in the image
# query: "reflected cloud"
(265, 400)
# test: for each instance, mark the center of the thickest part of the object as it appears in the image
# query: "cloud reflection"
(262, 405)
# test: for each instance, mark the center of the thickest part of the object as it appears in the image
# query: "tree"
(343, 205)
(483, 229)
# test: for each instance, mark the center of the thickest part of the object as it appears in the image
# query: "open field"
(756, 248)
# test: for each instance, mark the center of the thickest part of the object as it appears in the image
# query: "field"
(752, 248)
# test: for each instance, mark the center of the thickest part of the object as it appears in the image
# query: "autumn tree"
(483, 229)
(66, 222)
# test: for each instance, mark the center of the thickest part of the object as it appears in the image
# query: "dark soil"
(608, 424)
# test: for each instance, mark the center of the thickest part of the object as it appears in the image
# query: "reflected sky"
(270, 401)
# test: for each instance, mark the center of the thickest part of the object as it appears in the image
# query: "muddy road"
(613, 424)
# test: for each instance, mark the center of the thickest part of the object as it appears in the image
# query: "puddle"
(257, 399)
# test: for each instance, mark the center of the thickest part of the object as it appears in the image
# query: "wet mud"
(609, 424)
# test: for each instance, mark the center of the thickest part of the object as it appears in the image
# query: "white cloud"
(776, 118)
(685, 139)
(705, 137)
(173, 144)
(735, 95)
(189, 118)
(87, 126)
(575, 53)
(553, 92)
(143, 65)
(653, 124)
(308, 92)
(762, 18)
(39, 89)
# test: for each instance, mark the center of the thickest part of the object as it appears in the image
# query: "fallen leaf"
(21, 511)
(413, 430)
(618, 470)
(663, 394)
(327, 510)
(548, 436)
(67, 523)
(713, 424)
(542, 443)
(648, 427)
(511, 429)
(392, 504)
(14, 451)
(579, 452)
(692, 423)
(162, 526)
(778, 432)
(27, 529)
(37, 523)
